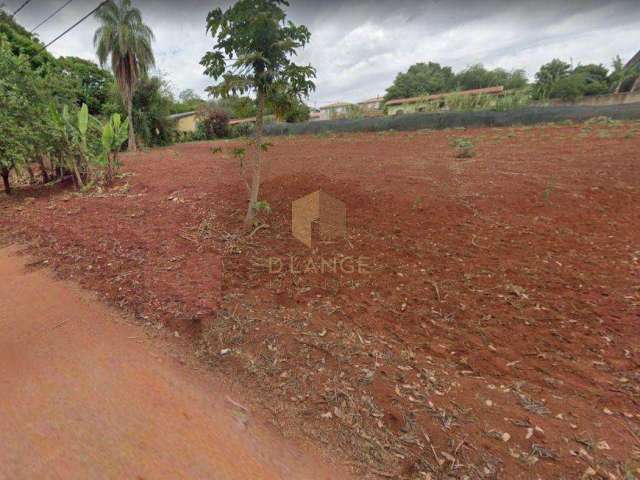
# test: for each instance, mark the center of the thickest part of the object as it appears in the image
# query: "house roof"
(426, 98)
(371, 100)
(236, 121)
(178, 116)
(635, 60)
(335, 105)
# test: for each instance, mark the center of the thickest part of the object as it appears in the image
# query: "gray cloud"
(359, 46)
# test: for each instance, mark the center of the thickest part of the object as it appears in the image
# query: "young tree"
(152, 104)
(548, 74)
(126, 40)
(252, 50)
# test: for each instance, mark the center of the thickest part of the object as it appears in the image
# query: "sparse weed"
(262, 206)
(551, 185)
(464, 147)
(602, 120)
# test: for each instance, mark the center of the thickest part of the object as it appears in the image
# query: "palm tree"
(127, 41)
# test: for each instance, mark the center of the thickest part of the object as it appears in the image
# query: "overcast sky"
(358, 47)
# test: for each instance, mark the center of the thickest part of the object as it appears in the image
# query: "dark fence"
(419, 121)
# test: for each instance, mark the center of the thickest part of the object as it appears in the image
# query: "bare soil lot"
(493, 334)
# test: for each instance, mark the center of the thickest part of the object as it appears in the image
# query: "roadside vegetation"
(59, 117)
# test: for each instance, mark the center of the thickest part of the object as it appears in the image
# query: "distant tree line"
(556, 79)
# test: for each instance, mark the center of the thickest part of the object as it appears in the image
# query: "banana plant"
(114, 133)
(74, 139)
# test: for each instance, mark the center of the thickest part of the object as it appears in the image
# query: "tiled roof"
(177, 116)
(236, 121)
(335, 105)
(426, 98)
(371, 100)
(634, 61)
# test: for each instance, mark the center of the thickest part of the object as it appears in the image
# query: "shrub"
(200, 133)
(567, 88)
(468, 103)
(299, 112)
(214, 123)
(353, 112)
(242, 130)
(511, 101)
(464, 147)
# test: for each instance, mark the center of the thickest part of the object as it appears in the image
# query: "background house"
(371, 104)
(334, 111)
(185, 122)
(431, 103)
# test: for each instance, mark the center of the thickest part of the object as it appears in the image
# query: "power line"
(75, 24)
(44, 47)
(20, 8)
(51, 16)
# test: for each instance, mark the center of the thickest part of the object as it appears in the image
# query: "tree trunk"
(619, 86)
(5, 178)
(43, 169)
(32, 177)
(111, 160)
(76, 172)
(255, 175)
(132, 134)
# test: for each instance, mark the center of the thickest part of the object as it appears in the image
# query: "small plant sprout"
(551, 185)
(262, 206)
(216, 150)
(464, 147)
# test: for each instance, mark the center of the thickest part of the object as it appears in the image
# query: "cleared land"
(86, 395)
(494, 333)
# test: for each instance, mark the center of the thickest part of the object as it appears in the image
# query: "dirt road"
(86, 395)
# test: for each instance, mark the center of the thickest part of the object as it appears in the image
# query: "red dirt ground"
(87, 395)
(495, 335)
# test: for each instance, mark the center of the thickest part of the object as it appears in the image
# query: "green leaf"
(107, 137)
(83, 119)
